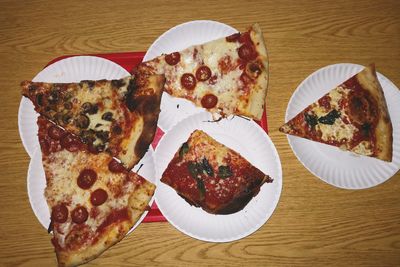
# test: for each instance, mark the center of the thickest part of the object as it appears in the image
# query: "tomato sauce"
(115, 216)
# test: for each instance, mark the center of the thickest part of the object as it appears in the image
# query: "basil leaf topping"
(201, 188)
(311, 120)
(207, 167)
(183, 150)
(330, 117)
(224, 172)
(194, 170)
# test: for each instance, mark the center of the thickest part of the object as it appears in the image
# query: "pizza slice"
(226, 76)
(353, 116)
(209, 175)
(116, 116)
(93, 200)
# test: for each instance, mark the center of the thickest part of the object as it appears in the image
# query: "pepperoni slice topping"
(59, 213)
(55, 132)
(71, 143)
(86, 178)
(233, 38)
(203, 73)
(173, 58)
(188, 81)
(245, 38)
(115, 166)
(98, 197)
(79, 215)
(246, 52)
(209, 101)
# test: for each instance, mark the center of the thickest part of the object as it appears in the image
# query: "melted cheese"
(363, 148)
(63, 168)
(337, 131)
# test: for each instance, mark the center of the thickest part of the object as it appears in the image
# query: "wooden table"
(315, 224)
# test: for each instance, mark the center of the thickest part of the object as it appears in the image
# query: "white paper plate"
(243, 136)
(36, 183)
(72, 69)
(178, 38)
(332, 165)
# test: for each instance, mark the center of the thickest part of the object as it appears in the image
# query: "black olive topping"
(103, 135)
(66, 118)
(88, 136)
(68, 105)
(107, 116)
(89, 108)
(39, 99)
(82, 121)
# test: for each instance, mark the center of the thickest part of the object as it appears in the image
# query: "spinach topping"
(201, 188)
(224, 172)
(330, 117)
(195, 169)
(207, 167)
(183, 150)
(311, 120)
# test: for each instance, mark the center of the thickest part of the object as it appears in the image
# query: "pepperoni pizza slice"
(117, 116)
(94, 201)
(209, 175)
(226, 76)
(353, 116)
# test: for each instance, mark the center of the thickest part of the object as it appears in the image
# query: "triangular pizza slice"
(93, 200)
(226, 76)
(116, 116)
(353, 116)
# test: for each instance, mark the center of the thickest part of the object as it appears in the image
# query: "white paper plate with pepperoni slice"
(336, 167)
(36, 183)
(178, 38)
(72, 69)
(245, 137)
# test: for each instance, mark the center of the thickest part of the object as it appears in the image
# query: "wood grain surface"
(314, 224)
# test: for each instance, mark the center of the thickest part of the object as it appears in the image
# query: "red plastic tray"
(129, 60)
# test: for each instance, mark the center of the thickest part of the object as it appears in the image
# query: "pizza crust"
(384, 130)
(147, 100)
(255, 106)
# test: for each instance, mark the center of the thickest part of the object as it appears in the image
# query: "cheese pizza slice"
(93, 200)
(353, 116)
(116, 116)
(226, 76)
(209, 175)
